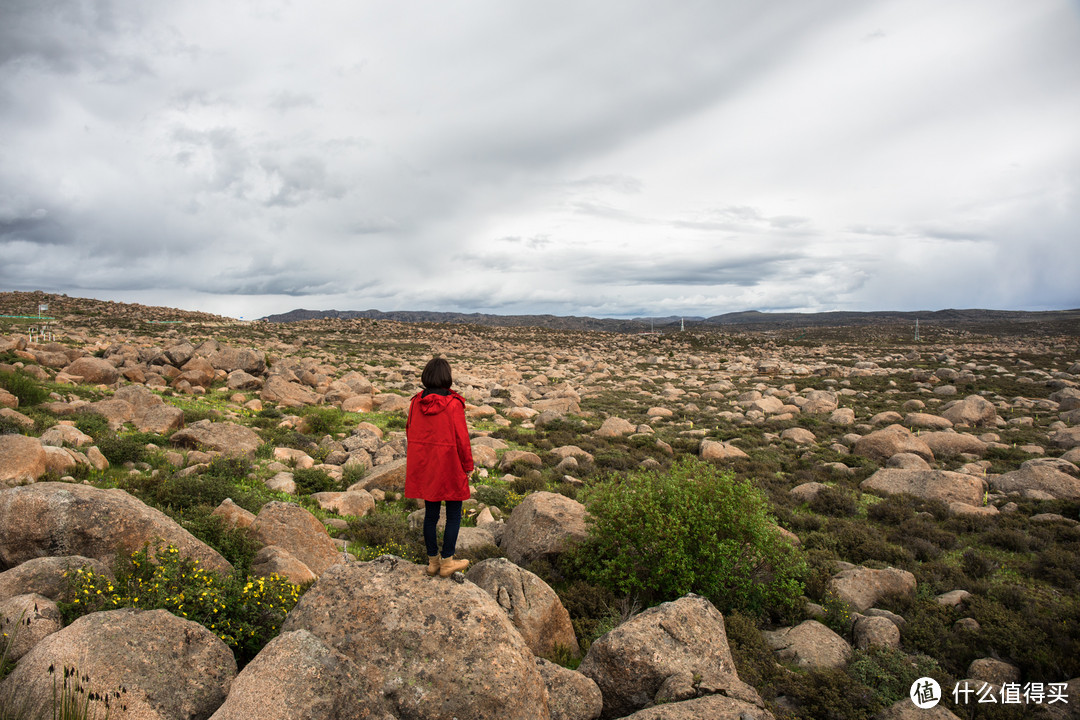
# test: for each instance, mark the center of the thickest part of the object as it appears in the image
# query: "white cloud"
(607, 158)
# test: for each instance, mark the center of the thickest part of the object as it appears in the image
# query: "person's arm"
(461, 433)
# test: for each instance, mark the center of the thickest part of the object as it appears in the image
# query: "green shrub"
(694, 529)
(245, 613)
(9, 426)
(891, 673)
(237, 545)
(754, 660)
(120, 449)
(309, 481)
(322, 421)
(856, 542)
(92, 424)
(24, 387)
(834, 502)
(830, 695)
(386, 532)
(529, 481)
(614, 460)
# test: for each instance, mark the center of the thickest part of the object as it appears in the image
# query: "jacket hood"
(433, 404)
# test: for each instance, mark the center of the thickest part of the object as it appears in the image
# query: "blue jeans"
(431, 522)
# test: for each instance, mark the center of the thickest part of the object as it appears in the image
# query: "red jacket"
(439, 457)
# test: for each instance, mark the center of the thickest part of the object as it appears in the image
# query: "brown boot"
(449, 566)
(433, 565)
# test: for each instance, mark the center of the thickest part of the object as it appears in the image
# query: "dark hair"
(436, 375)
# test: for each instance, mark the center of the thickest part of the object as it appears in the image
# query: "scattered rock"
(928, 484)
(224, 437)
(25, 620)
(298, 676)
(571, 695)
(615, 427)
(542, 526)
(22, 460)
(45, 576)
(93, 371)
(53, 518)
(274, 560)
(234, 515)
(713, 450)
(632, 662)
(1042, 478)
(533, 607)
(297, 531)
(169, 667)
(974, 411)
(435, 648)
(870, 630)
(883, 444)
(862, 587)
(810, 645)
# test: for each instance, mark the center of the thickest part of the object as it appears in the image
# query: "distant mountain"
(988, 321)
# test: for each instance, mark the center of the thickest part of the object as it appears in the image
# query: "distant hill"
(986, 321)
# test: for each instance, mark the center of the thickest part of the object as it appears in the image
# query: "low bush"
(24, 387)
(120, 449)
(830, 695)
(834, 502)
(386, 532)
(891, 673)
(694, 529)
(245, 613)
(310, 481)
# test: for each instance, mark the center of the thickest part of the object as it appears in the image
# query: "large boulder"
(533, 607)
(950, 444)
(810, 646)
(93, 371)
(436, 648)
(906, 710)
(46, 576)
(819, 402)
(224, 437)
(615, 427)
(388, 476)
(22, 460)
(159, 419)
(571, 695)
(685, 638)
(883, 444)
(941, 485)
(710, 707)
(718, 451)
(1040, 477)
(297, 675)
(1066, 438)
(61, 435)
(24, 621)
(54, 518)
(862, 587)
(974, 411)
(293, 528)
(355, 502)
(273, 560)
(151, 665)
(290, 394)
(115, 411)
(243, 359)
(542, 526)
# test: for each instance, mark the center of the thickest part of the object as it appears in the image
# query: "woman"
(438, 462)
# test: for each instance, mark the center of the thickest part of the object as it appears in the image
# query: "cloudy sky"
(606, 158)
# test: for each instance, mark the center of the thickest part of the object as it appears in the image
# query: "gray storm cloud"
(607, 158)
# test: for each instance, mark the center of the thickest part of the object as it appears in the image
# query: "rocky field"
(203, 518)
